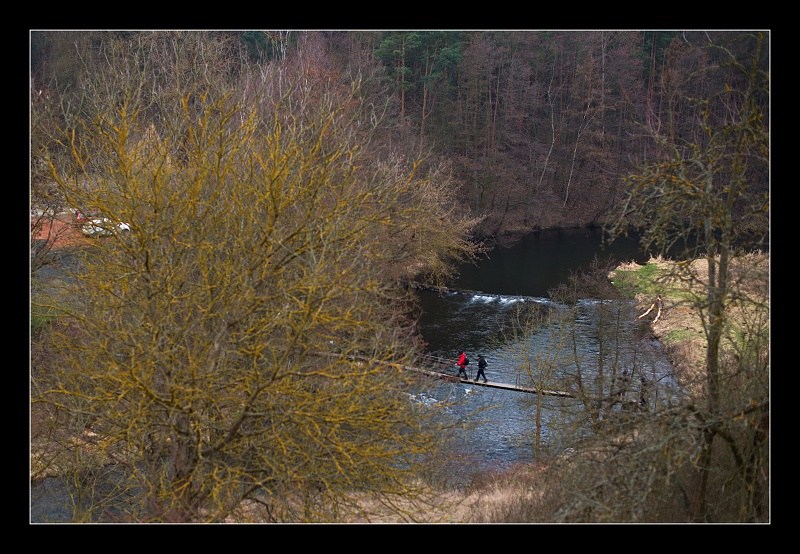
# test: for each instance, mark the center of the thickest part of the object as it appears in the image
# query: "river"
(479, 316)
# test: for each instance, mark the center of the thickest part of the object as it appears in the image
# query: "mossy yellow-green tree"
(208, 352)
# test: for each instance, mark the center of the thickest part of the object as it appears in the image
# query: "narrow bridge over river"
(438, 370)
(440, 367)
(440, 373)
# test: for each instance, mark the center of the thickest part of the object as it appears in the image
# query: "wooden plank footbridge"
(442, 365)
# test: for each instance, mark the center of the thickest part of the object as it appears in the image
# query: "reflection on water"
(485, 317)
(542, 260)
(564, 342)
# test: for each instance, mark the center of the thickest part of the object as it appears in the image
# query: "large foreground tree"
(240, 344)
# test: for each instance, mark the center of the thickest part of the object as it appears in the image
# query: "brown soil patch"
(61, 231)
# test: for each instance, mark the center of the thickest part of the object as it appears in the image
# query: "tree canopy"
(244, 339)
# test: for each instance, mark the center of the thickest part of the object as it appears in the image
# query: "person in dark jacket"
(481, 368)
(462, 364)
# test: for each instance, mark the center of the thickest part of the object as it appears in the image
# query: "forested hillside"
(539, 127)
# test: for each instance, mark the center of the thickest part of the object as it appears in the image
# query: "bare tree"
(709, 188)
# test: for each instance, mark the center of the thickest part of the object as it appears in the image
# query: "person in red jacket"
(462, 364)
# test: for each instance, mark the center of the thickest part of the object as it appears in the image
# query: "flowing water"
(482, 314)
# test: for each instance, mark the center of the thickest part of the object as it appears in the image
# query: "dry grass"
(679, 326)
(497, 498)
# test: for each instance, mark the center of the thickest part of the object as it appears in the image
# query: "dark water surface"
(526, 271)
(542, 260)
(478, 316)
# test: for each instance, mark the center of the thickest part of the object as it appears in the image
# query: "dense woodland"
(281, 188)
(540, 127)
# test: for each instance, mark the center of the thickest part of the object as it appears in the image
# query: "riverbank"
(664, 291)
